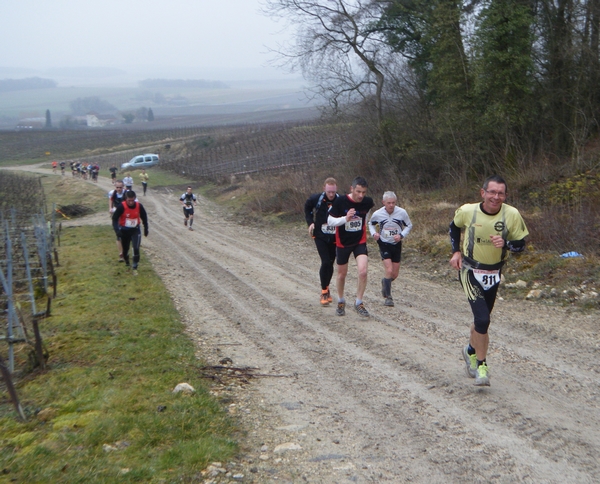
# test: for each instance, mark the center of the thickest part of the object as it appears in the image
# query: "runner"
(316, 210)
(492, 229)
(126, 223)
(144, 179)
(113, 174)
(128, 181)
(54, 166)
(62, 168)
(394, 225)
(95, 171)
(348, 214)
(115, 198)
(188, 200)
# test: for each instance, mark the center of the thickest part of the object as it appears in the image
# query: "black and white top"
(390, 224)
(188, 199)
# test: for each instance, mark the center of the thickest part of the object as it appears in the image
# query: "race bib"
(131, 223)
(487, 279)
(354, 225)
(390, 233)
(327, 229)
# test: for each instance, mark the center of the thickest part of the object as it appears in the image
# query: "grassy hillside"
(104, 410)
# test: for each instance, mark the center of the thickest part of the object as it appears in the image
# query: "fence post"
(38, 342)
(11, 389)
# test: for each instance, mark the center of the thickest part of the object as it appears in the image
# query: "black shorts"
(188, 211)
(390, 251)
(343, 253)
(481, 300)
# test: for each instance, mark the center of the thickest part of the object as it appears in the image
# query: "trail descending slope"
(383, 399)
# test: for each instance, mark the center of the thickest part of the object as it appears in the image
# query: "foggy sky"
(201, 39)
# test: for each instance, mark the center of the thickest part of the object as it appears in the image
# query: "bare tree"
(338, 48)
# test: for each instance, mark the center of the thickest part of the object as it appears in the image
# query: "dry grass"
(114, 360)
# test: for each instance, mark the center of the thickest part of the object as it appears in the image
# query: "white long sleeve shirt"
(390, 224)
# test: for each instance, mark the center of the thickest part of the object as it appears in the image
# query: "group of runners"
(338, 224)
(128, 215)
(56, 164)
(84, 170)
(128, 179)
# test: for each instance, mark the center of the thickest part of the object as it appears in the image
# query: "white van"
(141, 161)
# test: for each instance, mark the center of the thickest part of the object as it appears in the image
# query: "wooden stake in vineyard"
(13, 324)
(11, 389)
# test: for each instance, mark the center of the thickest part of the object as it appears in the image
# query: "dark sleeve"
(143, 216)
(336, 207)
(454, 237)
(309, 206)
(115, 217)
(516, 245)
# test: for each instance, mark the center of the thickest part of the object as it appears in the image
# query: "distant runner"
(144, 179)
(95, 170)
(188, 200)
(113, 173)
(128, 181)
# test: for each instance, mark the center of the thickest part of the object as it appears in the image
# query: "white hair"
(389, 196)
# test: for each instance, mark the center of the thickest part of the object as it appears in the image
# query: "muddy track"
(384, 399)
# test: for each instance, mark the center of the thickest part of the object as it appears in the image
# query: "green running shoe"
(471, 361)
(482, 379)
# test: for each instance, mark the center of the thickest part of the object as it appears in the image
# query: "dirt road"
(384, 399)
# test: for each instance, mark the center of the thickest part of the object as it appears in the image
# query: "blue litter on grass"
(571, 254)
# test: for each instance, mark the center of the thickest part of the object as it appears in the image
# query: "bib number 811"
(487, 279)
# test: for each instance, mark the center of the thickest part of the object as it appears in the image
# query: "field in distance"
(249, 99)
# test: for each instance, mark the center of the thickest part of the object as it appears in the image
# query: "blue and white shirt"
(398, 222)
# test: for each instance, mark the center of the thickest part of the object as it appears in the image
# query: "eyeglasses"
(494, 193)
